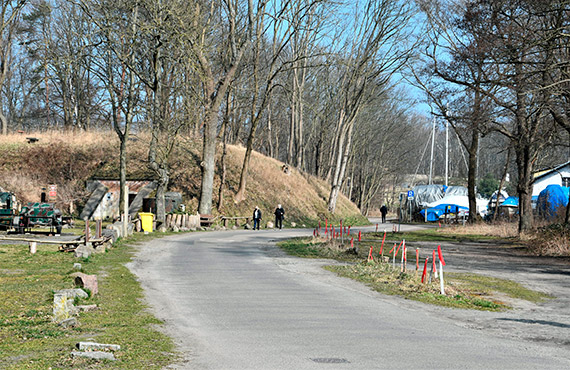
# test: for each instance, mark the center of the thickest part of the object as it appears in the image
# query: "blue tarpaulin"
(510, 202)
(432, 213)
(551, 199)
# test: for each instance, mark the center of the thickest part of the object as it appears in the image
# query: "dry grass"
(550, 240)
(71, 138)
(500, 230)
(546, 239)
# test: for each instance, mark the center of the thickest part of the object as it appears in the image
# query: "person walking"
(279, 216)
(383, 210)
(256, 218)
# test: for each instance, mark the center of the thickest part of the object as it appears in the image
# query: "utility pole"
(431, 157)
(446, 151)
(446, 143)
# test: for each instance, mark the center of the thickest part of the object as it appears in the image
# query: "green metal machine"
(32, 214)
(8, 210)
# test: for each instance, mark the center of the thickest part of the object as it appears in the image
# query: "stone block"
(87, 282)
(111, 232)
(94, 355)
(77, 266)
(69, 323)
(87, 308)
(84, 250)
(72, 293)
(62, 307)
(93, 346)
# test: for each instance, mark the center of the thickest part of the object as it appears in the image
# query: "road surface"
(233, 300)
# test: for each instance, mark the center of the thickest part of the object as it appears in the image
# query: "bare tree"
(376, 49)
(285, 27)
(9, 16)
(455, 71)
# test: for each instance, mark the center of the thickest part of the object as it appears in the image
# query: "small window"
(566, 181)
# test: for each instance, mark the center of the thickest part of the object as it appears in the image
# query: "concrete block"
(94, 355)
(72, 293)
(93, 346)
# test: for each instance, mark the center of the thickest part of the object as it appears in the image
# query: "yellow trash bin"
(146, 221)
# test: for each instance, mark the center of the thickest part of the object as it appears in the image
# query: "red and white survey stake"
(359, 236)
(425, 270)
(352, 243)
(417, 259)
(403, 257)
(440, 255)
(384, 238)
(370, 258)
(434, 268)
(441, 264)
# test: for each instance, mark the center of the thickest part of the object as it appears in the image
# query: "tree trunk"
(223, 175)
(524, 188)
(270, 132)
(208, 163)
(471, 175)
(224, 154)
(4, 123)
(340, 169)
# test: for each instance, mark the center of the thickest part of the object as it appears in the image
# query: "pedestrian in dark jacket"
(279, 216)
(256, 218)
(383, 210)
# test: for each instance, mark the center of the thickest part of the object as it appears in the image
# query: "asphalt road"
(233, 300)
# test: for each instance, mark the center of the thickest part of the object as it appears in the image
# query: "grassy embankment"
(467, 291)
(69, 160)
(30, 340)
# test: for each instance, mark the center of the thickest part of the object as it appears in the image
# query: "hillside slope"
(69, 160)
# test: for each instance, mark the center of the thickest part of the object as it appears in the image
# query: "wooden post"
(87, 230)
(99, 228)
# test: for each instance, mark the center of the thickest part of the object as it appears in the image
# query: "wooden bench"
(207, 220)
(227, 219)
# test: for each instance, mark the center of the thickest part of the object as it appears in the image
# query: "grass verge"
(30, 340)
(468, 291)
(435, 235)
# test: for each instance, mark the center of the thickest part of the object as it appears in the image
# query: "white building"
(559, 175)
